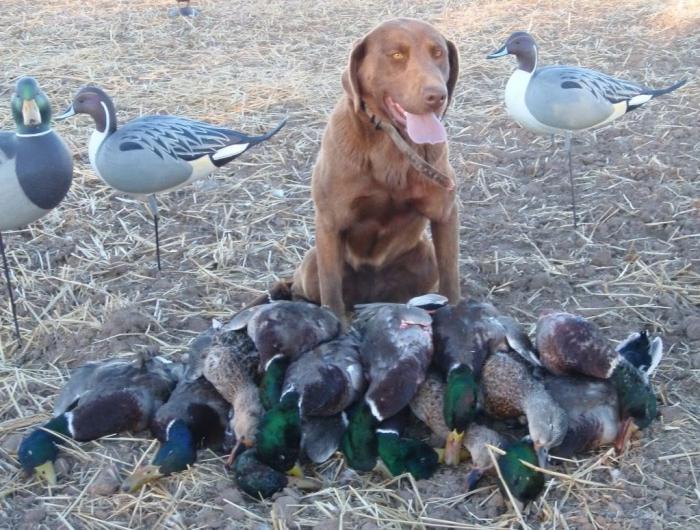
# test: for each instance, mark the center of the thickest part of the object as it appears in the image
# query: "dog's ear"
(351, 82)
(453, 56)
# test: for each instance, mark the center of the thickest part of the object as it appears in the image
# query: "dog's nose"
(434, 96)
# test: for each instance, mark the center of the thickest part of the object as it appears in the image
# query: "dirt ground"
(88, 288)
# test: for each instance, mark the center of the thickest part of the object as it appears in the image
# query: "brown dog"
(372, 204)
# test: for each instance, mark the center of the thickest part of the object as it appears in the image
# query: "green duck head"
(279, 434)
(31, 109)
(272, 381)
(636, 400)
(406, 455)
(255, 478)
(459, 409)
(359, 442)
(177, 453)
(39, 450)
(523, 482)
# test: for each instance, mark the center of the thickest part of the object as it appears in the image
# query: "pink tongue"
(425, 128)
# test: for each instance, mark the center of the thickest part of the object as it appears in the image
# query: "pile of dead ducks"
(282, 384)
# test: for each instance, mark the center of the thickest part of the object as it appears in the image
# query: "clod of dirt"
(10, 444)
(233, 512)
(602, 257)
(125, 320)
(34, 515)
(285, 507)
(692, 327)
(330, 524)
(106, 482)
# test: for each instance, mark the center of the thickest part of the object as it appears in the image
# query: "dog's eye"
(398, 56)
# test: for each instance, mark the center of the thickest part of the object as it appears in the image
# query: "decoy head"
(95, 102)
(406, 455)
(359, 442)
(176, 454)
(459, 408)
(636, 399)
(30, 107)
(547, 424)
(523, 46)
(39, 450)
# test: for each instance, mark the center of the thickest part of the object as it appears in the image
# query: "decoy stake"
(9, 289)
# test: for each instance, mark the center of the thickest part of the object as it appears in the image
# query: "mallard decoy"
(36, 168)
(100, 398)
(428, 406)
(406, 455)
(195, 416)
(154, 154)
(601, 410)
(285, 329)
(565, 99)
(465, 334)
(396, 350)
(524, 483)
(261, 481)
(510, 390)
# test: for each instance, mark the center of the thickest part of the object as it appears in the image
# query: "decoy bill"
(565, 99)
(153, 154)
(36, 167)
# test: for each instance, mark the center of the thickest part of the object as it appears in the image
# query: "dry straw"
(87, 287)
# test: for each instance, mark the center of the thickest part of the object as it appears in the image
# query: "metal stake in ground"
(9, 289)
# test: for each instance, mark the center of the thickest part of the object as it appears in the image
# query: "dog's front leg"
(445, 234)
(329, 248)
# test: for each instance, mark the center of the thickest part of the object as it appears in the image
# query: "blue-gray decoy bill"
(564, 99)
(153, 154)
(36, 167)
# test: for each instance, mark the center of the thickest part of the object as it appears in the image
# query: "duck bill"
(542, 456)
(30, 113)
(303, 483)
(140, 477)
(70, 111)
(296, 471)
(46, 472)
(500, 52)
(627, 429)
(453, 448)
(473, 478)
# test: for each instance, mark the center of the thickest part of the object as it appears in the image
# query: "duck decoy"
(100, 398)
(396, 349)
(154, 154)
(262, 481)
(464, 335)
(36, 168)
(571, 345)
(565, 99)
(195, 416)
(511, 390)
(405, 455)
(278, 440)
(359, 442)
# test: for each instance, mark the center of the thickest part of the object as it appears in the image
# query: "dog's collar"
(421, 165)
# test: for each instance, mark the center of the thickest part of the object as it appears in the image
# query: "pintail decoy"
(195, 416)
(153, 154)
(36, 167)
(100, 398)
(511, 390)
(564, 99)
(465, 335)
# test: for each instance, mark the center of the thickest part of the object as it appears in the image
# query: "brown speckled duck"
(510, 390)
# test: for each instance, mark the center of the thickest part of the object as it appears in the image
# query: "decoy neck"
(523, 482)
(523, 46)
(95, 102)
(31, 109)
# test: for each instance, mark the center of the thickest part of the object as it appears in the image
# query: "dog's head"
(405, 71)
